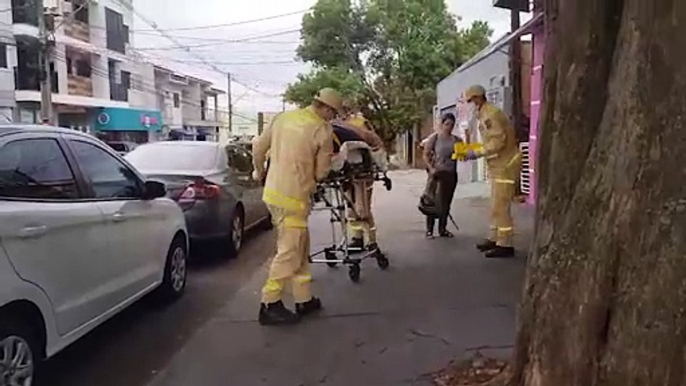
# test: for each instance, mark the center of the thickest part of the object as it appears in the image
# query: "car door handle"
(118, 217)
(34, 231)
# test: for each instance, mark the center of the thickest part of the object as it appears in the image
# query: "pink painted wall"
(536, 98)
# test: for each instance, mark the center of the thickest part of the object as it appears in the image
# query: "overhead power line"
(228, 24)
(216, 43)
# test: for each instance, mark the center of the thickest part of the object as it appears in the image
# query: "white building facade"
(98, 84)
(189, 106)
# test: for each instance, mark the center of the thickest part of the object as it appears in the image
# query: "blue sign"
(120, 119)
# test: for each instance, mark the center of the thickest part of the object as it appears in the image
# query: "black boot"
(356, 245)
(500, 252)
(277, 314)
(309, 307)
(486, 245)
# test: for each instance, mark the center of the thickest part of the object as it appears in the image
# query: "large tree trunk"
(605, 295)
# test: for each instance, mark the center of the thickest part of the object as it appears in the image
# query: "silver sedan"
(213, 185)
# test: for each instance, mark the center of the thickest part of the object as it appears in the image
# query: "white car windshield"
(173, 157)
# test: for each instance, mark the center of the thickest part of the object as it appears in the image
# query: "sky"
(259, 55)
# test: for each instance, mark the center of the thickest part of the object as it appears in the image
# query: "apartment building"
(98, 84)
(189, 106)
(8, 59)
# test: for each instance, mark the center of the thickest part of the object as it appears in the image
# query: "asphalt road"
(131, 348)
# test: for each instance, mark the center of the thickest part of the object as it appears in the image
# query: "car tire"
(234, 241)
(175, 271)
(15, 336)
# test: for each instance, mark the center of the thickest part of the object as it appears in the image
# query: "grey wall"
(490, 71)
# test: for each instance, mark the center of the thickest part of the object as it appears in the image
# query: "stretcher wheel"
(382, 261)
(330, 256)
(354, 273)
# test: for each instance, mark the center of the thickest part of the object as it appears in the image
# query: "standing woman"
(438, 153)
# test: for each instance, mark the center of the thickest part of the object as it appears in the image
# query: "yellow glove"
(461, 150)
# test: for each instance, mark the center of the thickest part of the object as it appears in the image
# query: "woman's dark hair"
(448, 117)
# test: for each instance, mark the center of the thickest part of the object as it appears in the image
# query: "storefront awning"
(122, 119)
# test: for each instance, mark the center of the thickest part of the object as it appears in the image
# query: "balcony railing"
(79, 85)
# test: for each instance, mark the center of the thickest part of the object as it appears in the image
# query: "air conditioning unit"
(519, 5)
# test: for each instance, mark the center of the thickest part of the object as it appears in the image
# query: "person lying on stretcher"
(361, 226)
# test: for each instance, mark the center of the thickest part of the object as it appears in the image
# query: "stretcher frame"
(332, 193)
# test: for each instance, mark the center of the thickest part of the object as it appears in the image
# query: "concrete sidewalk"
(439, 301)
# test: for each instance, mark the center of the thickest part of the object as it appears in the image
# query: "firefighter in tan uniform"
(501, 150)
(300, 146)
(361, 225)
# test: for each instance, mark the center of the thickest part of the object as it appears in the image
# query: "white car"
(82, 236)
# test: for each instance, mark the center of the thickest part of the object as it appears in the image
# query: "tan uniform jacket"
(501, 148)
(300, 146)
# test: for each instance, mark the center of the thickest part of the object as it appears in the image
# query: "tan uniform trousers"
(360, 218)
(290, 266)
(503, 190)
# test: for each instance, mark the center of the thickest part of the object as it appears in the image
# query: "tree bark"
(605, 295)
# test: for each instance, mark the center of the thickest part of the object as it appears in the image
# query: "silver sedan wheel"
(178, 269)
(237, 232)
(16, 362)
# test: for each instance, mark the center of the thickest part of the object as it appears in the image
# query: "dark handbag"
(427, 202)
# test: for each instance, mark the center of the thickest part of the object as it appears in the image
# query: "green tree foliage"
(387, 54)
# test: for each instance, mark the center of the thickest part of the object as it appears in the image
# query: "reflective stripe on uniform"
(302, 279)
(355, 226)
(272, 286)
(505, 229)
(492, 156)
(294, 222)
(272, 197)
(504, 181)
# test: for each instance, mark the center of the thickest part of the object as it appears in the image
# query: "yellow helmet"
(474, 91)
(331, 98)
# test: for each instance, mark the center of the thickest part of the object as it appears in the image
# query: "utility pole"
(44, 54)
(283, 104)
(516, 72)
(228, 93)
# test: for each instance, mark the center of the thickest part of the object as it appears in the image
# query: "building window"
(114, 23)
(25, 12)
(177, 100)
(83, 68)
(70, 71)
(126, 34)
(3, 55)
(81, 10)
(126, 80)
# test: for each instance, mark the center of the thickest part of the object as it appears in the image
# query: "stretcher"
(355, 162)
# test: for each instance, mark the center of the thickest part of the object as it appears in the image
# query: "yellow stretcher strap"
(295, 222)
(504, 181)
(272, 197)
(515, 159)
(336, 139)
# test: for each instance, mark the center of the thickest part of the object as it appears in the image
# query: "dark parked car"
(212, 184)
